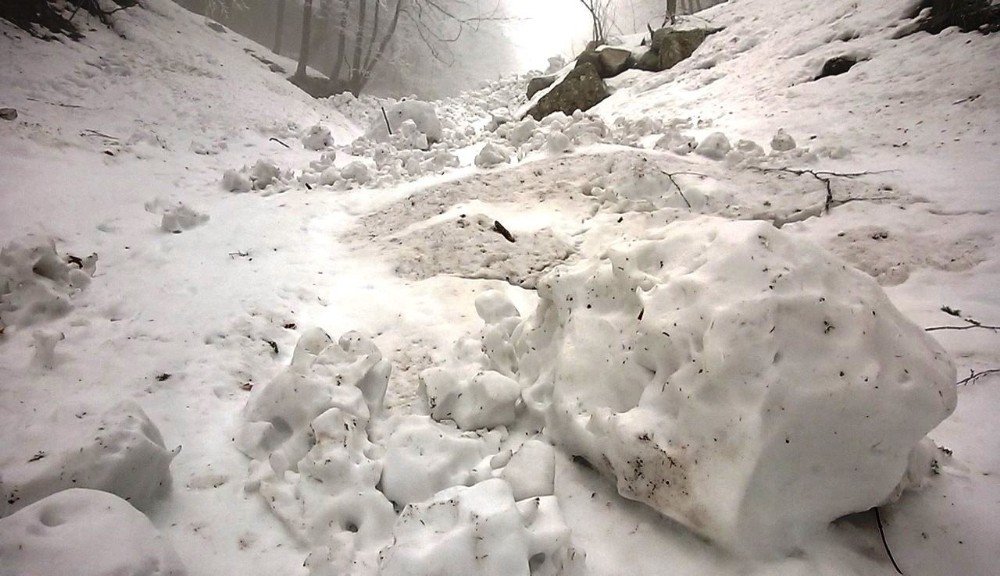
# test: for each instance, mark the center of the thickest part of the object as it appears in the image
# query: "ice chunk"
(120, 451)
(423, 457)
(423, 115)
(317, 137)
(782, 141)
(738, 380)
(714, 146)
(480, 530)
(531, 471)
(492, 154)
(84, 533)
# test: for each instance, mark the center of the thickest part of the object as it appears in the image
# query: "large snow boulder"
(84, 533)
(306, 432)
(423, 114)
(119, 451)
(738, 380)
(480, 530)
(581, 89)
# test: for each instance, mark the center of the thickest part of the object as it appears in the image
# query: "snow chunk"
(317, 138)
(357, 171)
(531, 471)
(714, 146)
(121, 451)
(485, 400)
(492, 154)
(36, 282)
(736, 379)
(236, 181)
(423, 457)
(84, 533)
(782, 141)
(422, 114)
(175, 216)
(480, 530)
(313, 463)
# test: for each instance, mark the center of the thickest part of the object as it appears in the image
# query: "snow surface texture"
(85, 533)
(734, 379)
(120, 451)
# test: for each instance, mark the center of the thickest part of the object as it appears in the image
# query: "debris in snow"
(492, 155)
(480, 530)
(422, 114)
(714, 146)
(175, 216)
(782, 141)
(261, 175)
(9, 114)
(657, 364)
(37, 283)
(357, 171)
(120, 451)
(60, 534)
(317, 138)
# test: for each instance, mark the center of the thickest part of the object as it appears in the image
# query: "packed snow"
(702, 328)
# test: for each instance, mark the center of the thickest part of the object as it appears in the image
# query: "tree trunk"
(359, 85)
(341, 55)
(279, 29)
(307, 10)
(359, 38)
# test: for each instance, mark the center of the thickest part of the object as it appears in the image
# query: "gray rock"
(8, 114)
(648, 61)
(674, 46)
(614, 61)
(582, 89)
(539, 83)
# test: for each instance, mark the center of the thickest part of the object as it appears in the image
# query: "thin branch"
(881, 531)
(671, 175)
(973, 376)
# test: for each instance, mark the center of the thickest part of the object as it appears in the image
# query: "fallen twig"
(973, 376)
(671, 176)
(60, 104)
(970, 322)
(826, 177)
(499, 228)
(89, 132)
(279, 142)
(881, 531)
(386, 117)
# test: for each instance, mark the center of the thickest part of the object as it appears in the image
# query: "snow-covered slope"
(305, 346)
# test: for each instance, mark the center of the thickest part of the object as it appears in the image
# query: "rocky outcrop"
(673, 46)
(581, 89)
(539, 83)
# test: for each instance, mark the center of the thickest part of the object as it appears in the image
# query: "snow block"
(492, 155)
(420, 113)
(121, 452)
(317, 138)
(312, 462)
(84, 533)
(37, 283)
(480, 530)
(423, 457)
(738, 380)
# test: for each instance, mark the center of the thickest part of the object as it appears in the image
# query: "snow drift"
(741, 382)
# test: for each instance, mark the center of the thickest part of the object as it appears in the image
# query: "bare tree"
(279, 27)
(307, 8)
(601, 17)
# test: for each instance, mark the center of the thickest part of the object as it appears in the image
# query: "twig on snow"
(973, 376)
(499, 229)
(671, 176)
(279, 142)
(826, 177)
(970, 322)
(386, 117)
(881, 531)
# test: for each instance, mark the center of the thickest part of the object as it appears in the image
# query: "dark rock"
(674, 46)
(593, 45)
(614, 61)
(837, 66)
(582, 89)
(8, 114)
(217, 27)
(539, 83)
(589, 57)
(968, 15)
(649, 61)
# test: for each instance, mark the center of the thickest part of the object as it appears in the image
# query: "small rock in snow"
(782, 141)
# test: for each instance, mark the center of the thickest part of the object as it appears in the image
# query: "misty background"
(456, 43)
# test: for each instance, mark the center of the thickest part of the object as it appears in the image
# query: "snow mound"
(263, 174)
(317, 138)
(175, 217)
(37, 283)
(493, 155)
(120, 451)
(473, 246)
(61, 534)
(480, 530)
(307, 435)
(422, 114)
(734, 378)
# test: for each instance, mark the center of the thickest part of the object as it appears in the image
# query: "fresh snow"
(242, 330)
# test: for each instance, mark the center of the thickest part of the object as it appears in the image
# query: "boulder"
(614, 61)
(673, 46)
(837, 65)
(539, 83)
(582, 89)
(8, 114)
